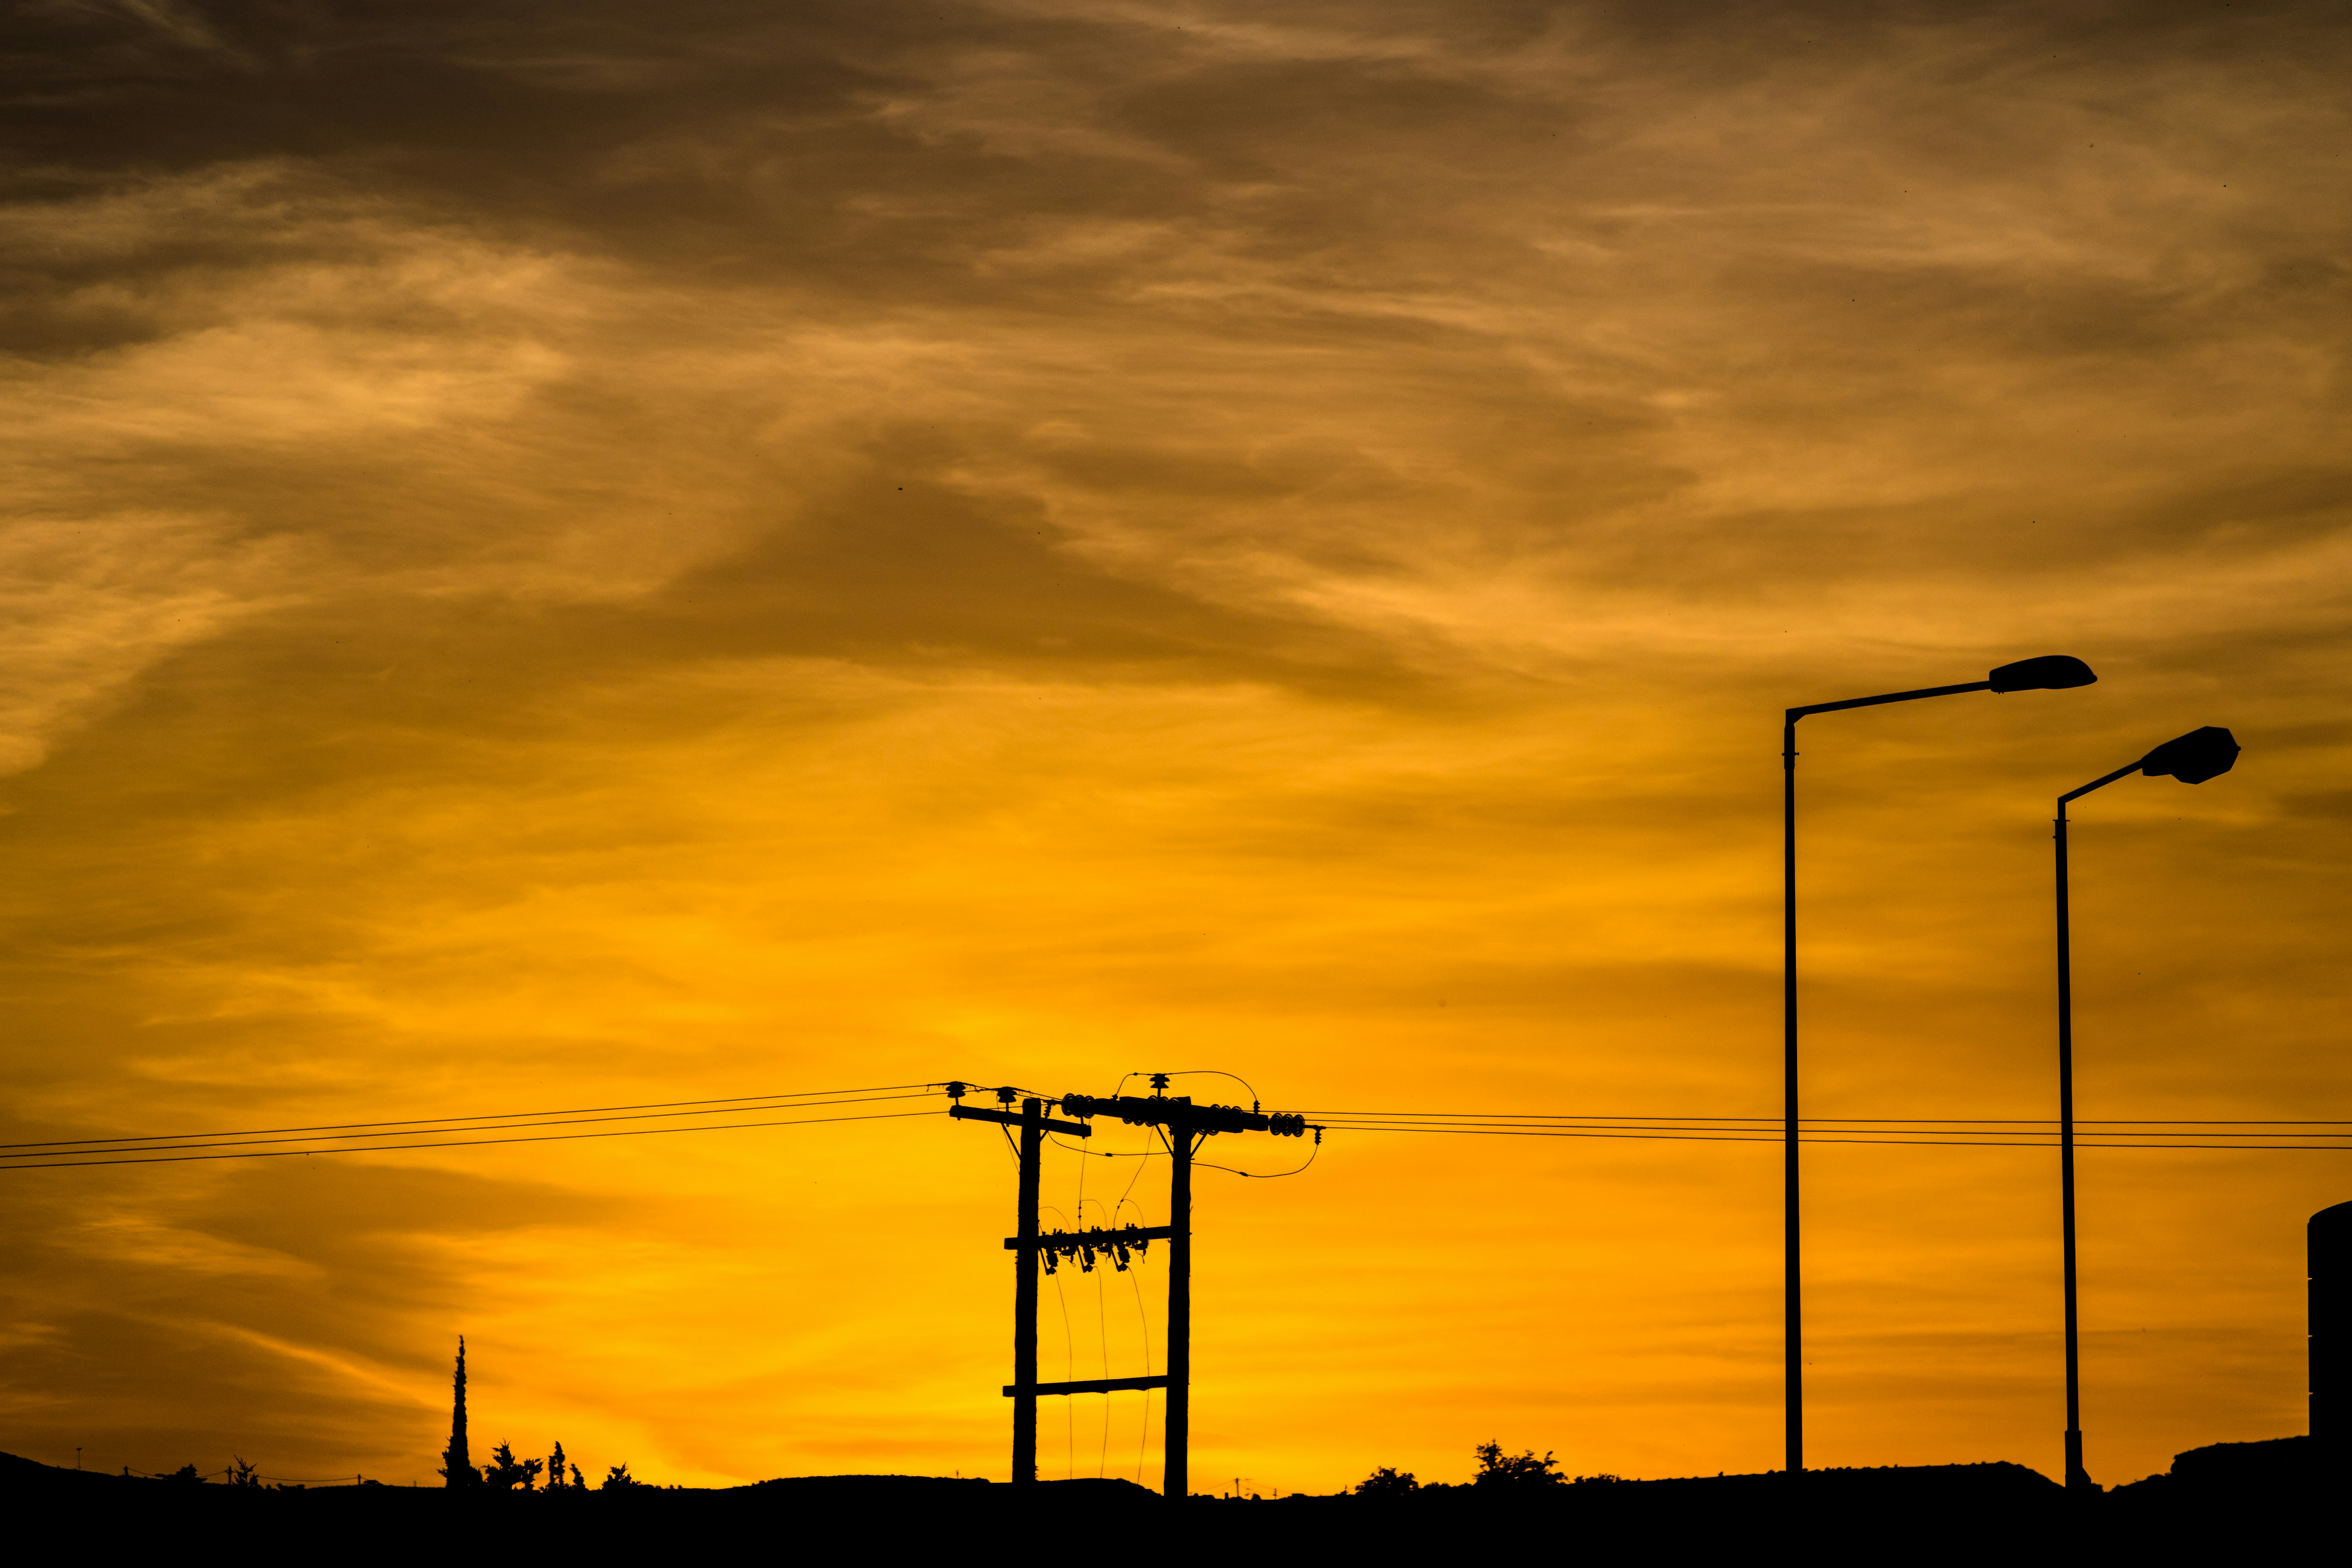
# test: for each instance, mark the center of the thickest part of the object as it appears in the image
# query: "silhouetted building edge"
(2329, 1239)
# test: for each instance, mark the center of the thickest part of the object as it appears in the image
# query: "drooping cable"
(1069, 1374)
(1143, 1322)
(1265, 1175)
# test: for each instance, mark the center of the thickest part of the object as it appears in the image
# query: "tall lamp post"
(2052, 672)
(2193, 758)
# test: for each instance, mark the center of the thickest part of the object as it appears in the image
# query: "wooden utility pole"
(1176, 1441)
(1185, 1124)
(1034, 1124)
(1024, 1295)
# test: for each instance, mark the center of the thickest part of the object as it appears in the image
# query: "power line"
(32, 1164)
(1268, 1175)
(1200, 1072)
(420, 1122)
(2216, 1134)
(1758, 1135)
(125, 1145)
(1840, 1120)
(1807, 1133)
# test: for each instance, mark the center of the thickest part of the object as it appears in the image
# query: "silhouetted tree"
(1387, 1483)
(506, 1472)
(579, 1481)
(555, 1470)
(241, 1474)
(1497, 1468)
(618, 1479)
(456, 1464)
(189, 1474)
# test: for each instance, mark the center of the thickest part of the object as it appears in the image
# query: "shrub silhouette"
(1497, 1468)
(618, 1479)
(1386, 1482)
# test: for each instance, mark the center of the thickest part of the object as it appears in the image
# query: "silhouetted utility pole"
(1184, 1125)
(1034, 1125)
(1176, 1433)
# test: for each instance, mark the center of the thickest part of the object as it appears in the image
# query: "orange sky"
(565, 556)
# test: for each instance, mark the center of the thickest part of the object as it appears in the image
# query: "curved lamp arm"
(2050, 672)
(2193, 758)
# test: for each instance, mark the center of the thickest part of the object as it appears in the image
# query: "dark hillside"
(2239, 1498)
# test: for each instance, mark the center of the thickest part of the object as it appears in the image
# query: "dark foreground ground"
(2235, 1501)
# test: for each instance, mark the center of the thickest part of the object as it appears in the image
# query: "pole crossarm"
(977, 1113)
(1087, 1386)
(1119, 1243)
(1159, 1110)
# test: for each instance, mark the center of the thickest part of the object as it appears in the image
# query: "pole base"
(2077, 1478)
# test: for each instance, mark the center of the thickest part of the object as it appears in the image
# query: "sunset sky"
(572, 554)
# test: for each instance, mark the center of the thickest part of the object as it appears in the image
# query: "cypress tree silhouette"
(456, 1464)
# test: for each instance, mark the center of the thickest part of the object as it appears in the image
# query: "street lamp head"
(2050, 672)
(2193, 758)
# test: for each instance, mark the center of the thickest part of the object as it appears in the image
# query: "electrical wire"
(1842, 1120)
(1105, 1154)
(430, 1123)
(1262, 1175)
(1123, 1198)
(1143, 1321)
(1891, 1139)
(2208, 1134)
(148, 1146)
(457, 1144)
(1102, 1336)
(1927, 1138)
(1069, 1374)
(1208, 1072)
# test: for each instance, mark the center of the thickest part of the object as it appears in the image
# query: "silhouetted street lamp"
(2193, 758)
(2052, 672)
